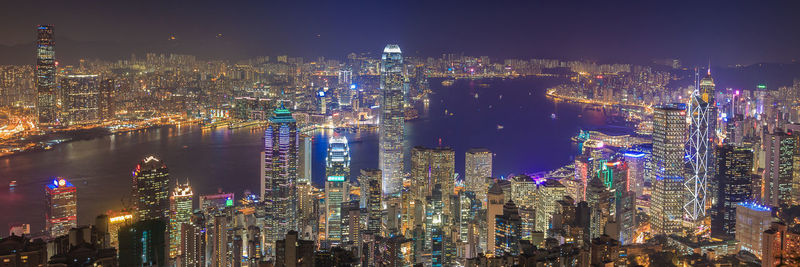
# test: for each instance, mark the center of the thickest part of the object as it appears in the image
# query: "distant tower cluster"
(390, 153)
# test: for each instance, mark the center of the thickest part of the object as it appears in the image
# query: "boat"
(476, 95)
(499, 126)
(12, 184)
(448, 82)
(483, 85)
(553, 116)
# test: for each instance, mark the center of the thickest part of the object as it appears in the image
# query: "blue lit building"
(62, 207)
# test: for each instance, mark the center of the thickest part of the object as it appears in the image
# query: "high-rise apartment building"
(62, 207)
(391, 120)
(151, 189)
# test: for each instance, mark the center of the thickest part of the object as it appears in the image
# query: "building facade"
(391, 120)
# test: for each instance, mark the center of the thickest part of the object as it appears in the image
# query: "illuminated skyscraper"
(279, 175)
(431, 167)
(669, 129)
(337, 168)
(779, 149)
(478, 167)
(390, 151)
(62, 207)
(751, 221)
(734, 185)
(508, 231)
(180, 212)
(700, 149)
(46, 88)
(495, 202)
(151, 189)
(370, 181)
(82, 98)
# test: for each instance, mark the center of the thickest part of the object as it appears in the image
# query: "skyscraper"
(151, 189)
(180, 212)
(279, 174)
(700, 146)
(337, 168)
(669, 128)
(431, 167)
(751, 221)
(779, 149)
(46, 89)
(62, 207)
(478, 167)
(390, 151)
(106, 99)
(82, 101)
(734, 185)
(370, 181)
(508, 231)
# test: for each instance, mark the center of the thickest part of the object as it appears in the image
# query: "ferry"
(12, 184)
(553, 116)
(499, 127)
(448, 82)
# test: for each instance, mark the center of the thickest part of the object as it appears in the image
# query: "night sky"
(728, 32)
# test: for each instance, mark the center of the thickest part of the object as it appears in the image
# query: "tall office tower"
(468, 207)
(106, 99)
(304, 159)
(523, 190)
(351, 224)
(779, 149)
(477, 167)
(151, 189)
(144, 243)
(46, 88)
(279, 175)
(180, 212)
(390, 152)
(625, 217)
(700, 149)
(751, 221)
(434, 226)
(548, 194)
(82, 98)
(583, 174)
(62, 207)
(669, 128)
(734, 185)
(117, 220)
(337, 168)
(507, 231)
(636, 170)
(599, 200)
(370, 181)
(434, 166)
(193, 241)
(494, 207)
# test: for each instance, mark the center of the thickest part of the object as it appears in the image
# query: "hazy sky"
(729, 32)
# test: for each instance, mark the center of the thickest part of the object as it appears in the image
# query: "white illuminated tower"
(699, 153)
(337, 169)
(390, 151)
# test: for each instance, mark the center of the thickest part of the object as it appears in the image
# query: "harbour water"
(513, 118)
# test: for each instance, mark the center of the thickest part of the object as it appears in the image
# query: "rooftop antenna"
(709, 66)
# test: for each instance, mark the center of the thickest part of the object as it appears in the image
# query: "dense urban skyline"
(625, 31)
(579, 144)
